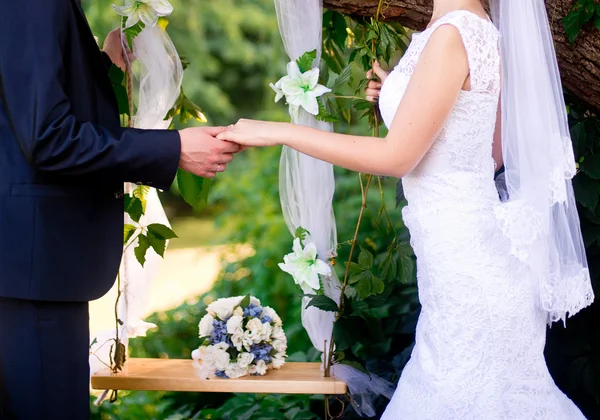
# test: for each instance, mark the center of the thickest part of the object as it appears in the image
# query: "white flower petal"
(291, 87)
(162, 7)
(310, 251)
(294, 71)
(148, 15)
(126, 10)
(319, 90)
(309, 103)
(311, 78)
(132, 20)
(322, 268)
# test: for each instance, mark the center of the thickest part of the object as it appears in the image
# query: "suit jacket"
(64, 157)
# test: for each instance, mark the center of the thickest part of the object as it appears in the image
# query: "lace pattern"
(481, 333)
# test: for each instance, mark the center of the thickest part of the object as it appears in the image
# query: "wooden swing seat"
(180, 375)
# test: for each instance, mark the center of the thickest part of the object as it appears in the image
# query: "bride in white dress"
(486, 297)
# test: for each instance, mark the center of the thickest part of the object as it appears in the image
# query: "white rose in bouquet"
(234, 371)
(206, 325)
(270, 312)
(235, 324)
(245, 359)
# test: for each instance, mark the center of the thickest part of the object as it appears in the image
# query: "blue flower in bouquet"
(253, 310)
(219, 334)
(261, 351)
(220, 374)
(266, 319)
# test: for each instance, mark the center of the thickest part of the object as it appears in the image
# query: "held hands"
(250, 133)
(373, 89)
(202, 154)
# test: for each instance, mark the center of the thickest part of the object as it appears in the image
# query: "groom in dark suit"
(63, 161)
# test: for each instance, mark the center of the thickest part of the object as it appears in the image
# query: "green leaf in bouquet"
(141, 249)
(245, 302)
(128, 232)
(323, 303)
(134, 207)
(194, 189)
(306, 60)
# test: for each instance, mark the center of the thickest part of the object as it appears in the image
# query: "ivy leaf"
(141, 249)
(141, 192)
(194, 189)
(591, 166)
(161, 231)
(581, 13)
(587, 191)
(128, 232)
(134, 207)
(323, 302)
(306, 60)
(245, 302)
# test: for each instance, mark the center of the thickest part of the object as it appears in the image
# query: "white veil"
(539, 213)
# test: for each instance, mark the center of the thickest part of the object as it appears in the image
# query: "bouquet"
(241, 338)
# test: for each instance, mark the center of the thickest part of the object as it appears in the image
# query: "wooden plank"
(180, 375)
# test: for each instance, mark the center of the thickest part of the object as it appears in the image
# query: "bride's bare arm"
(438, 78)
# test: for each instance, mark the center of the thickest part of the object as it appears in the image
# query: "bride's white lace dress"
(480, 336)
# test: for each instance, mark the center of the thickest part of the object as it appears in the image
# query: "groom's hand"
(202, 154)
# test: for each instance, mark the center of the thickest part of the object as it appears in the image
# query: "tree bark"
(579, 64)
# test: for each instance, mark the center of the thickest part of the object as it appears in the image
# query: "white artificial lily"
(304, 266)
(301, 90)
(148, 11)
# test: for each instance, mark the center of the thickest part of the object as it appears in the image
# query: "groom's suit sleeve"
(33, 36)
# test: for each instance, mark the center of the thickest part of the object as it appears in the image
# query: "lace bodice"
(465, 142)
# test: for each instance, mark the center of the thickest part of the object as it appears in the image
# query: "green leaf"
(587, 191)
(323, 302)
(194, 189)
(117, 79)
(141, 192)
(128, 232)
(131, 32)
(301, 233)
(365, 259)
(245, 302)
(161, 231)
(134, 207)
(306, 60)
(591, 166)
(93, 343)
(141, 249)
(343, 77)
(158, 245)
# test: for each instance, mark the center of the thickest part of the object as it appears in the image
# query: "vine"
(582, 12)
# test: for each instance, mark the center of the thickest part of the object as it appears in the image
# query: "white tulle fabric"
(306, 188)
(481, 332)
(158, 74)
(540, 215)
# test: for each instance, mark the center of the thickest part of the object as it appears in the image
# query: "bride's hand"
(255, 133)
(373, 88)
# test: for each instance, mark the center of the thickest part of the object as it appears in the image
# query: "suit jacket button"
(119, 195)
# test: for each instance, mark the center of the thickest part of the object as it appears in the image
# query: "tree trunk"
(579, 64)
